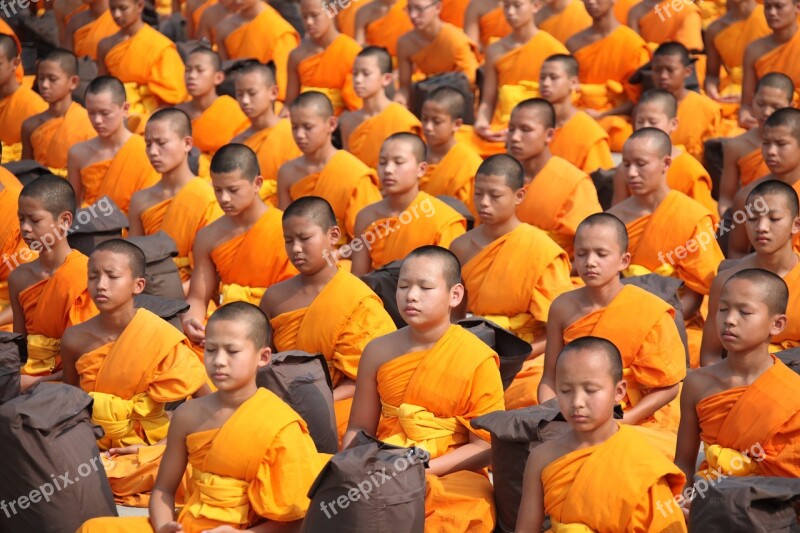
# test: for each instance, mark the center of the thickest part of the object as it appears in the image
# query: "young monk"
(485, 22)
(269, 136)
(98, 357)
(89, 27)
(406, 217)
(657, 21)
(563, 18)
(578, 138)
(364, 130)
(381, 23)
(180, 204)
(653, 355)
(432, 47)
(115, 162)
(239, 255)
(698, 115)
(48, 136)
(245, 446)
(771, 226)
(491, 256)
(743, 162)
(13, 249)
(17, 102)
(731, 407)
(439, 377)
(557, 194)
(48, 294)
(560, 472)
(324, 308)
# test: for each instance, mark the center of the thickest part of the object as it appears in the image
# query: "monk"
(432, 47)
(578, 138)
(657, 21)
(558, 195)
(115, 162)
(105, 357)
(215, 119)
(591, 381)
(323, 309)
(382, 23)
(48, 294)
(17, 102)
(608, 54)
(179, 204)
(722, 405)
(492, 254)
(422, 384)
(269, 136)
(211, 18)
(240, 255)
(485, 22)
(658, 108)
(259, 467)
(563, 18)
(48, 136)
(90, 27)
(776, 52)
(406, 217)
(698, 115)
(13, 249)
(743, 162)
(64, 10)
(364, 130)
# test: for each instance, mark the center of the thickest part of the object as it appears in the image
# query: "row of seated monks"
(331, 160)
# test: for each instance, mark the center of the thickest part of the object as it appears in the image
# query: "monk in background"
(563, 18)
(439, 376)
(64, 10)
(381, 23)
(13, 249)
(485, 22)
(590, 378)
(89, 27)
(657, 21)
(211, 18)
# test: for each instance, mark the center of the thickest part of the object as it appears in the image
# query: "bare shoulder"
(82, 153)
(760, 46)
(369, 214)
(580, 39)
(567, 307)
(717, 26)
(31, 123)
(498, 48)
(293, 170)
(383, 349)
(350, 119)
(279, 293)
(146, 197)
(305, 49)
(24, 276)
(466, 246)
(108, 43)
(704, 381)
(637, 11)
(409, 43)
(370, 12)
(78, 21)
(214, 234)
(544, 454)
(226, 26)
(624, 210)
(80, 338)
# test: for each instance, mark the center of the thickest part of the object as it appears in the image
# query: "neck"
(603, 295)
(399, 202)
(750, 364)
(376, 103)
(118, 319)
(525, 33)
(116, 139)
(535, 164)
(785, 34)
(60, 108)
(652, 200)
(131, 30)
(780, 262)
(564, 111)
(495, 231)
(321, 278)
(605, 24)
(52, 258)
(438, 151)
(177, 177)
(430, 335)
(791, 176)
(598, 435)
(431, 30)
(203, 102)
(235, 398)
(9, 87)
(265, 120)
(680, 94)
(250, 216)
(326, 40)
(322, 155)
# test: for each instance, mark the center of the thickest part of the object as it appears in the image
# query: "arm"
(204, 281)
(102, 49)
(555, 342)
(6, 316)
(624, 109)
(621, 191)
(74, 174)
(690, 302)
(749, 78)
(70, 353)
(711, 347)
(27, 130)
(689, 430)
(135, 227)
(170, 473)
(472, 18)
(284, 195)
(713, 64)
(361, 260)
(729, 181)
(366, 410)
(738, 242)
(345, 389)
(361, 25)
(474, 455)
(531, 509)
(483, 117)
(404, 71)
(654, 400)
(14, 288)
(292, 80)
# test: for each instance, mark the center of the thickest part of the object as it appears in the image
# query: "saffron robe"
(493, 26)
(14, 110)
(346, 18)
(218, 124)
(86, 38)
(331, 72)
(699, 119)
(781, 59)
(790, 336)
(274, 146)
(450, 51)
(454, 175)
(684, 26)
(366, 139)
(731, 43)
(52, 140)
(751, 167)
(11, 243)
(583, 142)
(564, 25)
(688, 176)
(386, 31)
(453, 12)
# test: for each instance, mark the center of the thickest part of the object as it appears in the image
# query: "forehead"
(30, 204)
(584, 363)
(742, 290)
(160, 128)
(432, 107)
(227, 330)
(101, 99)
(250, 79)
(553, 67)
(639, 147)
(108, 258)
(396, 147)
(199, 59)
(306, 113)
(423, 267)
(777, 132)
(650, 109)
(418, 3)
(366, 62)
(773, 94)
(300, 223)
(227, 179)
(51, 67)
(667, 60)
(598, 236)
(122, 3)
(311, 6)
(773, 201)
(492, 180)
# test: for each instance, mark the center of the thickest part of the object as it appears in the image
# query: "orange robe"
(14, 110)
(129, 394)
(428, 399)
(5, 29)
(250, 263)
(346, 18)
(450, 51)
(781, 59)
(540, 270)
(86, 38)
(651, 347)
(64, 301)
(790, 336)
(762, 419)
(731, 43)
(215, 127)
(268, 37)
(454, 175)
(11, 243)
(427, 220)
(698, 120)
(493, 26)
(254, 467)
(645, 482)
(343, 318)
(752, 167)
(365, 141)
(385, 31)
(664, 23)
(688, 176)
(453, 12)
(274, 146)
(347, 184)
(130, 171)
(583, 142)
(197, 14)
(564, 25)
(331, 72)
(52, 140)
(557, 199)
(181, 217)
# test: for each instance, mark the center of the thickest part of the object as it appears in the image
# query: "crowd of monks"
(291, 159)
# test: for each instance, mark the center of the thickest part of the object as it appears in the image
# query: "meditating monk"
(563, 18)
(485, 22)
(421, 386)
(89, 27)
(13, 249)
(381, 23)
(658, 22)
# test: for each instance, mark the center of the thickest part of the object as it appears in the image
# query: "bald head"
(418, 147)
(610, 221)
(252, 66)
(787, 117)
(64, 58)
(54, 194)
(254, 319)
(452, 100)
(110, 85)
(663, 99)
(567, 62)
(132, 253)
(506, 166)
(211, 55)
(600, 348)
(771, 288)
(233, 157)
(8, 46)
(450, 267)
(317, 209)
(776, 188)
(543, 110)
(779, 81)
(315, 101)
(652, 137)
(177, 120)
(381, 56)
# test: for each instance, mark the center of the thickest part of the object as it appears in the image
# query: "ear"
(65, 221)
(258, 181)
(625, 261)
(264, 356)
(188, 142)
(456, 295)
(219, 77)
(332, 122)
(796, 226)
(387, 79)
(73, 82)
(457, 123)
(549, 134)
(126, 107)
(519, 195)
(673, 125)
(334, 234)
(139, 285)
(778, 325)
(273, 92)
(422, 168)
(575, 84)
(15, 62)
(667, 162)
(620, 390)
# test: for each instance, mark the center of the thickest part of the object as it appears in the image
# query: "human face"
(235, 193)
(200, 76)
(598, 8)
(770, 224)
(106, 116)
(111, 282)
(598, 258)
(166, 150)
(437, 124)
(780, 149)
(651, 115)
(645, 169)
(315, 21)
(38, 227)
(766, 101)
(307, 246)
(743, 318)
(779, 13)
(423, 12)
(367, 77)
(310, 130)
(495, 201)
(255, 97)
(126, 12)
(231, 358)
(422, 294)
(585, 389)
(398, 168)
(527, 135)
(8, 68)
(519, 12)
(555, 85)
(669, 73)
(54, 83)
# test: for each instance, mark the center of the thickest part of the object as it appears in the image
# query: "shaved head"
(235, 156)
(674, 49)
(8, 46)
(506, 166)
(567, 62)
(315, 101)
(663, 99)
(418, 147)
(317, 209)
(772, 290)
(178, 120)
(252, 66)
(134, 255)
(55, 194)
(452, 100)
(777, 80)
(216, 61)
(109, 84)
(610, 221)
(787, 117)
(381, 55)
(599, 346)
(544, 110)
(65, 59)
(656, 138)
(258, 328)
(777, 188)
(450, 266)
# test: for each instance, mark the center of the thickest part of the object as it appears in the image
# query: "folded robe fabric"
(14, 110)
(687, 175)
(698, 120)
(454, 175)
(564, 25)
(782, 59)
(387, 30)
(273, 146)
(731, 43)
(684, 26)
(751, 167)
(493, 26)
(218, 124)
(331, 72)
(582, 142)
(450, 51)
(52, 140)
(86, 38)
(11, 243)
(366, 139)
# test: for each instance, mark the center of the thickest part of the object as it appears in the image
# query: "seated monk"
(17, 102)
(501, 249)
(179, 204)
(658, 22)
(653, 354)
(251, 456)
(421, 386)
(608, 54)
(485, 22)
(364, 130)
(577, 138)
(115, 162)
(336, 175)
(144, 60)
(381, 23)
(139, 378)
(12, 247)
(324, 309)
(323, 61)
(48, 136)
(64, 10)
(90, 27)
(557, 194)
(215, 119)
(432, 47)
(406, 217)
(241, 254)
(591, 381)
(48, 294)
(269, 136)
(563, 18)
(744, 410)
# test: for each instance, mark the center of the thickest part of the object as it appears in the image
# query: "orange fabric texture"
(664, 23)
(14, 110)
(699, 119)
(130, 171)
(493, 26)
(564, 25)
(731, 43)
(688, 176)
(781, 59)
(583, 142)
(450, 51)
(218, 124)
(11, 243)
(454, 175)
(274, 146)
(86, 38)
(332, 72)
(752, 167)
(52, 140)
(366, 139)
(386, 31)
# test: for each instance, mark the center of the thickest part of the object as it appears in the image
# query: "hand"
(284, 112)
(594, 113)
(125, 450)
(746, 119)
(170, 527)
(195, 331)
(485, 132)
(400, 98)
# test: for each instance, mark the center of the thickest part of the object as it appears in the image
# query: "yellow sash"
(222, 498)
(639, 270)
(510, 95)
(42, 355)
(424, 429)
(521, 325)
(601, 95)
(334, 95)
(555, 527)
(11, 152)
(119, 419)
(727, 462)
(239, 293)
